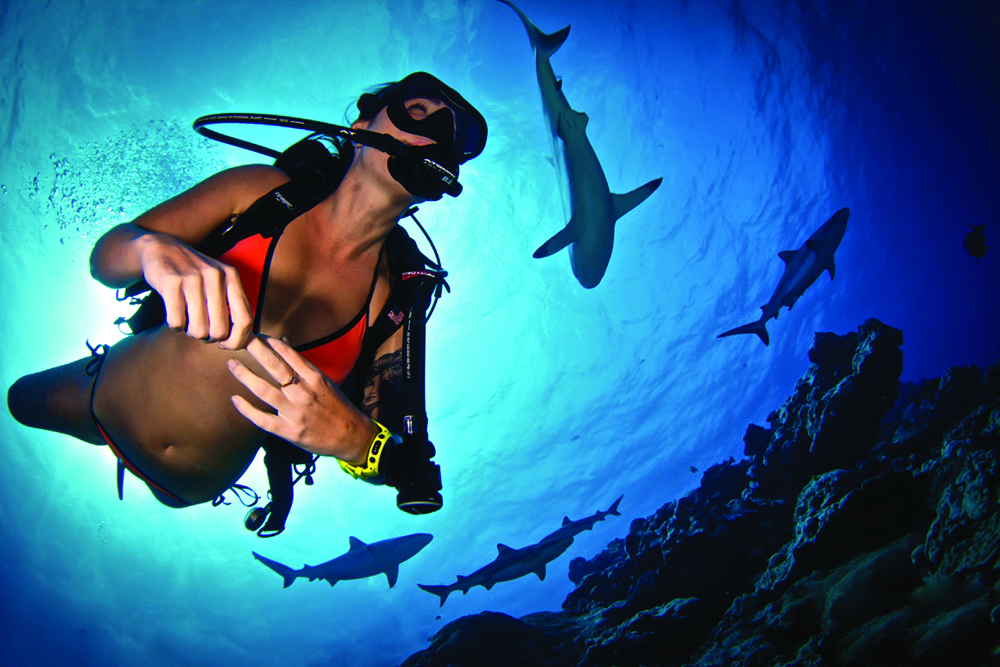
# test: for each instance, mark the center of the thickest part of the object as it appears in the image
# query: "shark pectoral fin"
(392, 574)
(816, 245)
(832, 269)
(331, 581)
(626, 202)
(556, 243)
(787, 256)
(541, 572)
(559, 83)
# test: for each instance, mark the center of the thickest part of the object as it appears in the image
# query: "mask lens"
(466, 126)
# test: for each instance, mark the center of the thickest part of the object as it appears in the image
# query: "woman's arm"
(202, 296)
(383, 384)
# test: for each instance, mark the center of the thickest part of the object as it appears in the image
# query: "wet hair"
(367, 110)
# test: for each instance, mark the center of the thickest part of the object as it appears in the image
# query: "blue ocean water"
(545, 399)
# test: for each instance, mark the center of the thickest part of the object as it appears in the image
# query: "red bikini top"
(334, 354)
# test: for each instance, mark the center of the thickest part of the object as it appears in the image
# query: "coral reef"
(862, 528)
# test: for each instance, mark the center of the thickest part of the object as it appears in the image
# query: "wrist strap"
(370, 468)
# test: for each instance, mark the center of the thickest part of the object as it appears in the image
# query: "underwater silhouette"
(590, 233)
(509, 564)
(513, 564)
(802, 268)
(360, 562)
(573, 528)
(975, 242)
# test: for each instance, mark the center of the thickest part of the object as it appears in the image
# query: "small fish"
(975, 242)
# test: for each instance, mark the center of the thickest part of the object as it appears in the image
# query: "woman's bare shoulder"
(193, 214)
(246, 184)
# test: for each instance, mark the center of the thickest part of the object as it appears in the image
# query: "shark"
(509, 564)
(360, 562)
(590, 233)
(574, 528)
(802, 268)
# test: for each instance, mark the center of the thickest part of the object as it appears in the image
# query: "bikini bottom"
(93, 369)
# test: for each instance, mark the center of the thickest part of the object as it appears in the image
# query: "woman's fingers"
(195, 297)
(203, 297)
(257, 385)
(262, 420)
(174, 306)
(216, 303)
(239, 314)
(296, 362)
(270, 360)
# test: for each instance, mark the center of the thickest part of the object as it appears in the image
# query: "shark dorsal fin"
(568, 119)
(787, 255)
(356, 543)
(503, 549)
(566, 521)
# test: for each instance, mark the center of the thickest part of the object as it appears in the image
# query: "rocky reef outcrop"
(861, 528)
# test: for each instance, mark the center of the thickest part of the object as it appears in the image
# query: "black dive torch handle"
(415, 347)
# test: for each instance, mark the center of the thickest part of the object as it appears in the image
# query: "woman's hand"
(203, 297)
(312, 413)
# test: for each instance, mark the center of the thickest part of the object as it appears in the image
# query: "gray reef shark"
(362, 561)
(802, 268)
(510, 564)
(574, 528)
(594, 209)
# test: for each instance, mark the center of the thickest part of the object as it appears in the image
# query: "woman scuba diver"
(258, 340)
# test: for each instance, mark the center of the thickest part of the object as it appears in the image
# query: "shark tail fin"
(286, 572)
(440, 591)
(548, 44)
(757, 327)
(626, 202)
(613, 510)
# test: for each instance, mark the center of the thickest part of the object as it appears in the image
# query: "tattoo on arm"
(382, 391)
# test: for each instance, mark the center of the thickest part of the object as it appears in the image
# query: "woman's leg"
(57, 400)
